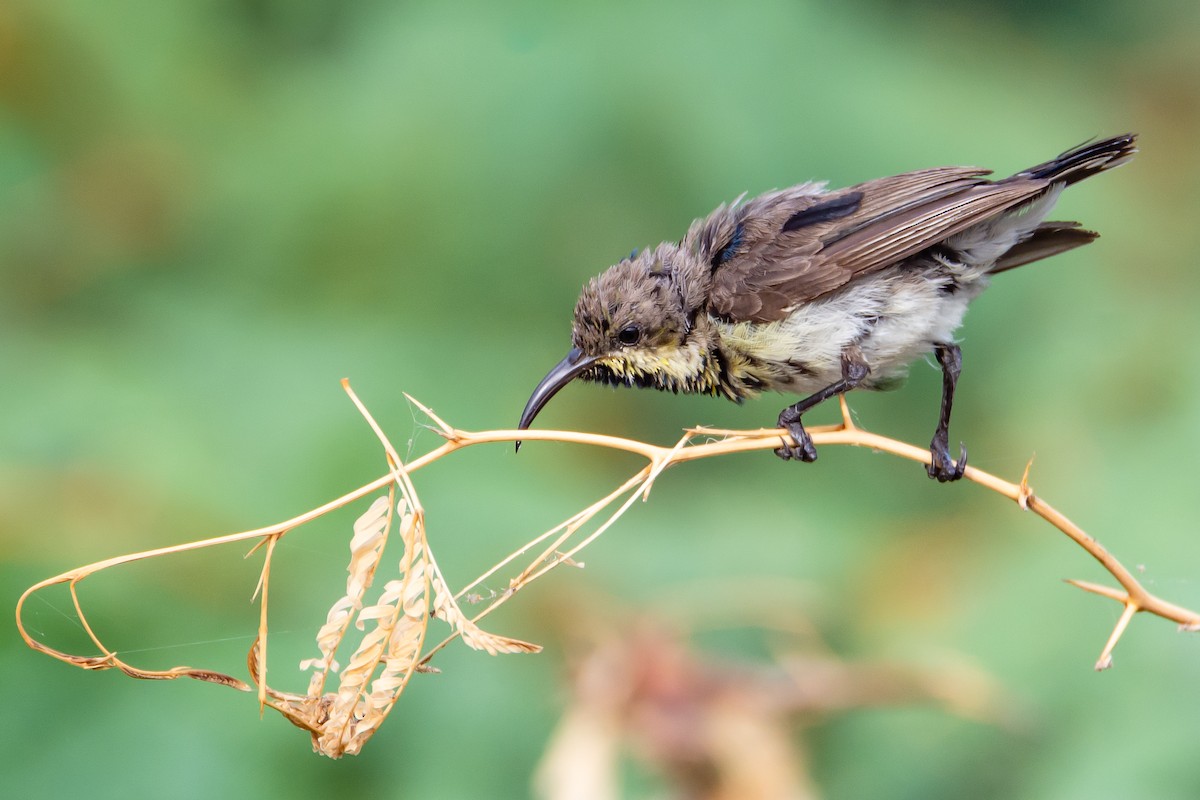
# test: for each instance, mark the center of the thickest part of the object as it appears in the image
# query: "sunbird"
(815, 292)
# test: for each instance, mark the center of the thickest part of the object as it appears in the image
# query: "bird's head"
(634, 326)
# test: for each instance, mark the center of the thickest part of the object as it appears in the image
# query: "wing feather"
(778, 264)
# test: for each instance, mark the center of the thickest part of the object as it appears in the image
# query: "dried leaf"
(394, 628)
(472, 635)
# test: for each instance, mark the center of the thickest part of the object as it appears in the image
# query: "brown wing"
(793, 246)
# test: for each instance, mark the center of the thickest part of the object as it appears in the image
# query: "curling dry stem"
(555, 547)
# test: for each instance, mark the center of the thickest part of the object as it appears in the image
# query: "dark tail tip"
(1085, 160)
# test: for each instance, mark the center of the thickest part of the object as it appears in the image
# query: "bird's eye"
(629, 335)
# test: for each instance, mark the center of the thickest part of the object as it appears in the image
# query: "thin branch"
(556, 547)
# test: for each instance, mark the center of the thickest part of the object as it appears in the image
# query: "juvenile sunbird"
(815, 292)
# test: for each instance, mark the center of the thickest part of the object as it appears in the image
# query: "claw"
(941, 467)
(854, 370)
(802, 450)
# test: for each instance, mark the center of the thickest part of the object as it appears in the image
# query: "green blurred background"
(212, 211)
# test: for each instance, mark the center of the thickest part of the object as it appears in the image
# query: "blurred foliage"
(212, 211)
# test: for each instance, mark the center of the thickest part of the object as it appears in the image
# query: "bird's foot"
(801, 449)
(941, 466)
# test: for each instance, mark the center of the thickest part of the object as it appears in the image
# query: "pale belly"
(892, 319)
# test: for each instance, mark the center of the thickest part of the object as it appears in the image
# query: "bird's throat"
(691, 369)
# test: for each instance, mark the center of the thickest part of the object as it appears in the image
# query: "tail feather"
(1048, 239)
(1084, 161)
(1036, 240)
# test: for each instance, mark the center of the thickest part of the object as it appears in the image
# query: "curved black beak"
(562, 374)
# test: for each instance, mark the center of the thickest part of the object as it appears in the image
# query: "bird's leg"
(854, 370)
(941, 466)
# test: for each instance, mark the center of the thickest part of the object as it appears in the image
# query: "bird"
(816, 292)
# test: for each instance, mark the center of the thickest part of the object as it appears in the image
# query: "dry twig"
(395, 624)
